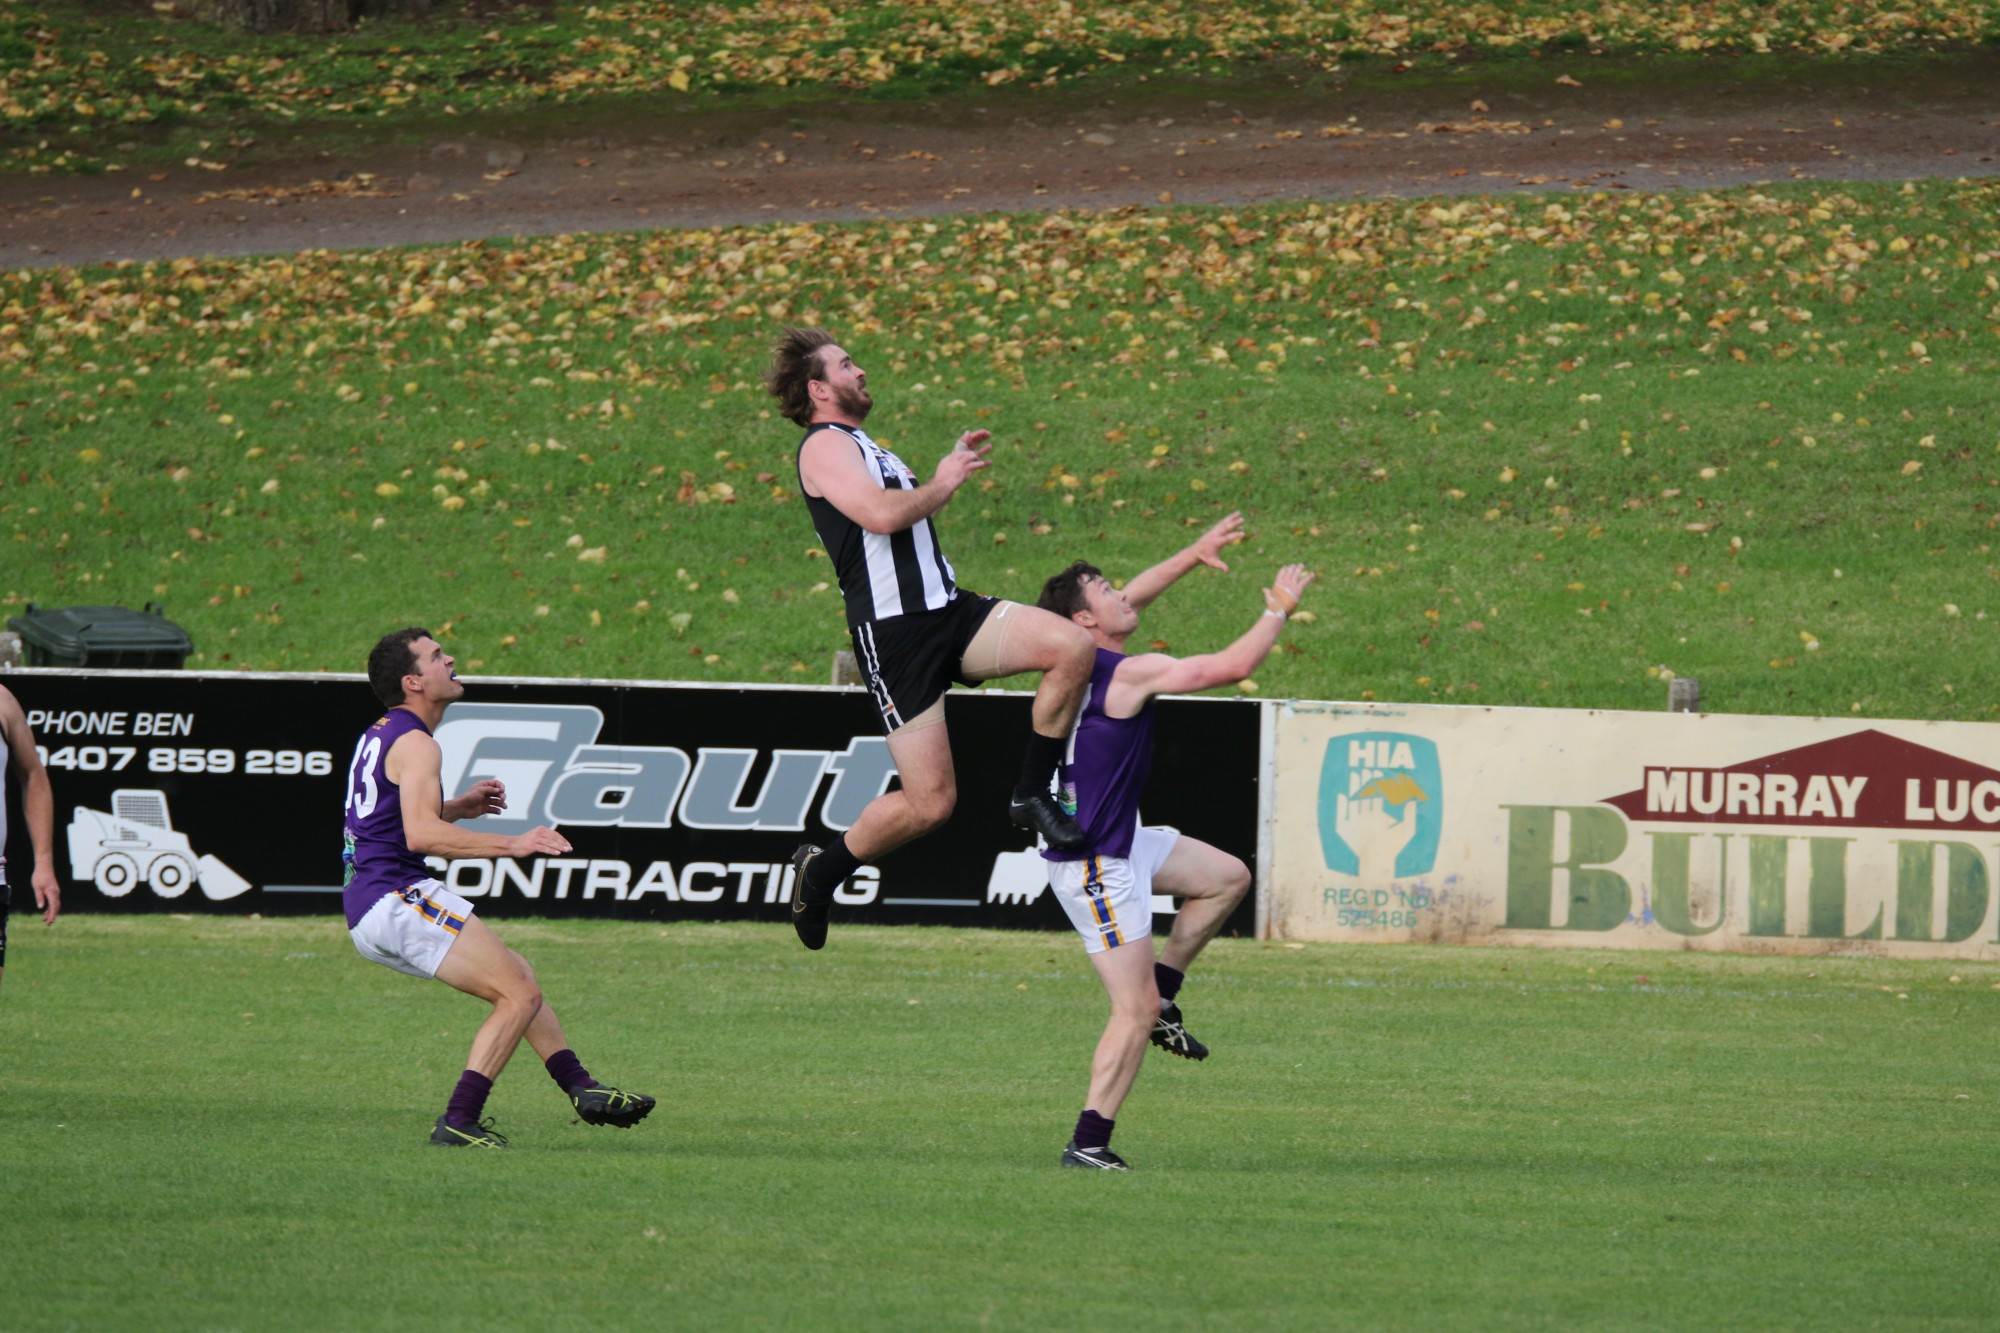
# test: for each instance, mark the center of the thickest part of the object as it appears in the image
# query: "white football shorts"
(413, 930)
(1110, 898)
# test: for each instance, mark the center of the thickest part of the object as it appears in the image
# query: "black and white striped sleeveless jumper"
(882, 575)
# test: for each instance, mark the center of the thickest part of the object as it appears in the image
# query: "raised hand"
(1285, 591)
(1208, 546)
(488, 796)
(966, 457)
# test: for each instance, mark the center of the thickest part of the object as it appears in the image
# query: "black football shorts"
(909, 661)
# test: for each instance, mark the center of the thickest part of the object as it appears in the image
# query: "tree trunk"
(402, 9)
(302, 15)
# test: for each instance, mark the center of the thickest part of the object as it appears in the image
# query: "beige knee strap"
(930, 717)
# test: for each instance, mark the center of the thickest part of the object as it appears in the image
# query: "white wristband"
(1273, 611)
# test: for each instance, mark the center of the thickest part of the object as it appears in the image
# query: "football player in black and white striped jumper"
(915, 630)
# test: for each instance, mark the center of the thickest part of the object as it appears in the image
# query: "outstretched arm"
(830, 465)
(1206, 550)
(414, 764)
(1140, 678)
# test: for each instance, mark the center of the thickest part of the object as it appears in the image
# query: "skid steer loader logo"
(1018, 878)
(136, 842)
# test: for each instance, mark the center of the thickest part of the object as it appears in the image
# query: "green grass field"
(219, 1124)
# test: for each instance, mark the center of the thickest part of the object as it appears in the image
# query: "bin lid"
(72, 631)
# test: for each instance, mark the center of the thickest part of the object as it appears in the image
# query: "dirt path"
(1514, 130)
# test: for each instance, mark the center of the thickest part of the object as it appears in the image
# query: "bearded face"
(846, 385)
(852, 399)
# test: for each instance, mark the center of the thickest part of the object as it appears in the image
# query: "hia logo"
(1381, 805)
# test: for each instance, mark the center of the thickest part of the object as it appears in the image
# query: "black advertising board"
(223, 793)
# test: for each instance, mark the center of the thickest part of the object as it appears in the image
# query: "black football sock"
(1038, 768)
(1169, 981)
(832, 866)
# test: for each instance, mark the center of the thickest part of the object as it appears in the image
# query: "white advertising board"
(1634, 830)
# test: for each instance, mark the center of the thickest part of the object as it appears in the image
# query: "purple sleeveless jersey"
(1104, 773)
(375, 857)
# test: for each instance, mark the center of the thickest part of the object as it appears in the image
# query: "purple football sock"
(568, 1071)
(1093, 1130)
(468, 1099)
(1169, 982)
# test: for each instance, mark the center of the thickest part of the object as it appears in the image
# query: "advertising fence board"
(181, 792)
(1634, 830)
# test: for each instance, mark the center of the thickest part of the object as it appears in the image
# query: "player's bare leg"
(545, 1032)
(929, 791)
(926, 797)
(1210, 883)
(1127, 973)
(596, 1103)
(1012, 639)
(1017, 638)
(479, 964)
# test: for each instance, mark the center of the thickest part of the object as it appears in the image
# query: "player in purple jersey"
(915, 630)
(402, 917)
(1107, 885)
